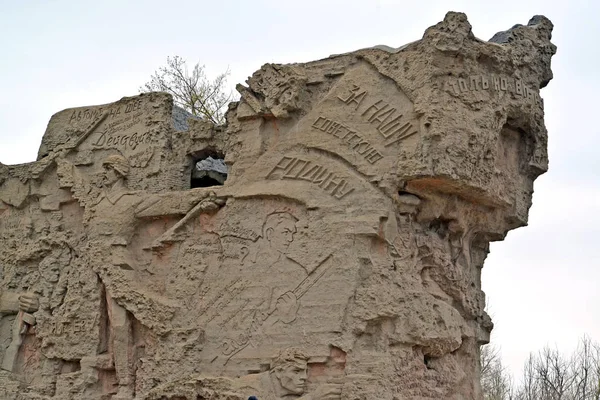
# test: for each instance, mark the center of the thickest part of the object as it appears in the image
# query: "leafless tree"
(547, 375)
(529, 387)
(193, 91)
(489, 354)
(585, 371)
(554, 374)
(496, 382)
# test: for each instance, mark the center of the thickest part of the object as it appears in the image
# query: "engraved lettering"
(341, 193)
(342, 127)
(530, 94)
(455, 87)
(326, 125)
(323, 177)
(124, 141)
(332, 186)
(299, 169)
(354, 140)
(387, 129)
(133, 106)
(473, 82)
(316, 123)
(283, 164)
(375, 107)
(373, 156)
(333, 127)
(518, 87)
(383, 116)
(503, 84)
(362, 147)
(100, 141)
(320, 180)
(351, 138)
(496, 81)
(403, 133)
(355, 97)
(290, 174)
(379, 113)
(351, 95)
(350, 132)
(310, 174)
(485, 83)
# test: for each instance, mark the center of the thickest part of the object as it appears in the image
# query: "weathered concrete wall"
(341, 259)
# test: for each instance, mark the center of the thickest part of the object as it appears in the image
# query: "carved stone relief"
(340, 259)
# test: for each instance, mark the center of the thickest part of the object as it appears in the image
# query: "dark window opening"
(210, 170)
(427, 360)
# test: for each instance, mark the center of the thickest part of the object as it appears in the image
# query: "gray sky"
(541, 282)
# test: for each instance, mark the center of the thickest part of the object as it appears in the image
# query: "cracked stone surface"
(340, 259)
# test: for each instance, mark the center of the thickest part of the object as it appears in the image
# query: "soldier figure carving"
(113, 223)
(271, 260)
(285, 380)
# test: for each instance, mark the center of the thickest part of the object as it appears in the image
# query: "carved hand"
(211, 202)
(287, 307)
(28, 302)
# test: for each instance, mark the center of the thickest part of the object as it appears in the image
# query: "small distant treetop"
(193, 91)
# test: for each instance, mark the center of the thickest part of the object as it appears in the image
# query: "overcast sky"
(542, 281)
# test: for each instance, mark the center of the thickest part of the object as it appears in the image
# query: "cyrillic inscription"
(496, 83)
(64, 324)
(299, 169)
(124, 123)
(124, 141)
(113, 112)
(388, 120)
(352, 139)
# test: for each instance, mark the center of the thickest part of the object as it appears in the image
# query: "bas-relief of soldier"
(271, 293)
(271, 261)
(262, 292)
(113, 218)
(286, 379)
(110, 230)
(38, 255)
(112, 223)
(23, 230)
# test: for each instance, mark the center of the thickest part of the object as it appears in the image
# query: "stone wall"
(341, 259)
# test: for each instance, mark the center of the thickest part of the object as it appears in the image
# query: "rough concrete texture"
(341, 259)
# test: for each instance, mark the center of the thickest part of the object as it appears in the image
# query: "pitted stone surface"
(341, 259)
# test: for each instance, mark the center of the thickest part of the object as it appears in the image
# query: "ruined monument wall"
(341, 259)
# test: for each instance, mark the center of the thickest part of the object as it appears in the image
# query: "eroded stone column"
(340, 259)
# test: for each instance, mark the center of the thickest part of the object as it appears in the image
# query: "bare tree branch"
(547, 375)
(496, 382)
(193, 92)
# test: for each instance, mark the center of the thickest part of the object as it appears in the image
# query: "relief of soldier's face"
(110, 176)
(282, 235)
(50, 269)
(292, 377)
